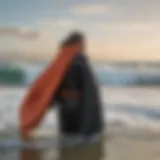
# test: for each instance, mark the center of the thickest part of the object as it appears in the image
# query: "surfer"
(70, 83)
(80, 107)
(77, 96)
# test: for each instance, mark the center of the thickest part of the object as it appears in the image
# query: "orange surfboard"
(35, 104)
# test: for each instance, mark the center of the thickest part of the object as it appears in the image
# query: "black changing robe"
(80, 110)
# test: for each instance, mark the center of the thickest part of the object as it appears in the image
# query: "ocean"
(131, 111)
(130, 107)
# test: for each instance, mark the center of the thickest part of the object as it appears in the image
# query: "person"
(70, 83)
(79, 105)
(78, 96)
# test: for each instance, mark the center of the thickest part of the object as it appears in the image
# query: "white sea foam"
(10, 99)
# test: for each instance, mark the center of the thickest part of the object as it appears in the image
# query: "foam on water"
(132, 121)
(128, 115)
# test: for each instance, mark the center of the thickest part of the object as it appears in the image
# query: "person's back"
(78, 98)
(80, 113)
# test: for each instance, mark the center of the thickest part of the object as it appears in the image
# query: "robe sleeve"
(90, 98)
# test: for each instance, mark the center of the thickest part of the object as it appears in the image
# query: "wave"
(134, 118)
(131, 116)
(106, 74)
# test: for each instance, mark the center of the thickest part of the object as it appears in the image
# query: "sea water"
(128, 109)
(123, 106)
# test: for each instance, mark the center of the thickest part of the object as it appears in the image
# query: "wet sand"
(122, 148)
(90, 151)
(133, 146)
(118, 146)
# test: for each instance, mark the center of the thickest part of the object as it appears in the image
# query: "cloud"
(18, 32)
(106, 40)
(40, 46)
(90, 9)
(57, 22)
(65, 22)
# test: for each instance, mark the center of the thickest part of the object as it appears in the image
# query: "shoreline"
(101, 85)
(130, 96)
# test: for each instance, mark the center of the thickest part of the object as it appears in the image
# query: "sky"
(115, 29)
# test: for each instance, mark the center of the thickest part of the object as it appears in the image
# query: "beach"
(123, 147)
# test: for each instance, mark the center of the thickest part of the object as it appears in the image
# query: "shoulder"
(79, 60)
